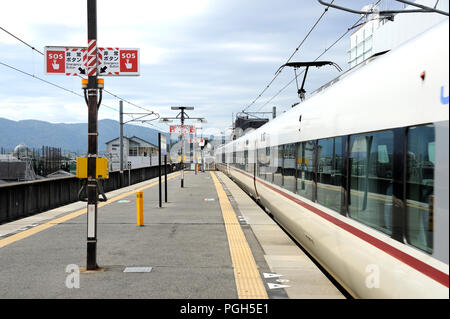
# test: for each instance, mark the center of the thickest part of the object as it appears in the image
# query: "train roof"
(382, 92)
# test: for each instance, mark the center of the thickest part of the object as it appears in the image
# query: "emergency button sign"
(72, 61)
(56, 61)
(129, 62)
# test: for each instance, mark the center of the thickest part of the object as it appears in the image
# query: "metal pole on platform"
(121, 142)
(159, 169)
(92, 191)
(129, 173)
(195, 151)
(165, 178)
(182, 116)
(182, 148)
(203, 163)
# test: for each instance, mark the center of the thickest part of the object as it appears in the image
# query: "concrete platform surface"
(283, 256)
(185, 243)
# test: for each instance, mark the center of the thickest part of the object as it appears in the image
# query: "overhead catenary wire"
(48, 82)
(120, 98)
(67, 90)
(289, 59)
(106, 91)
(297, 75)
(325, 51)
(71, 91)
(19, 39)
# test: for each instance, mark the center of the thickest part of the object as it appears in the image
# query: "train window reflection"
(264, 164)
(240, 160)
(247, 163)
(305, 169)
(371, 164)
(329, 173)
(420, 187)
(277, 156)
(289, 167)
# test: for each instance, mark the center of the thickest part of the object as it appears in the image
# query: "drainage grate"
(137, 269)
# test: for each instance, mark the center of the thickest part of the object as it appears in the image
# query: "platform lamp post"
(202, 120)
(182, 116)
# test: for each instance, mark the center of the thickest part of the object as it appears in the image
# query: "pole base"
(87, 271)
(91, 260)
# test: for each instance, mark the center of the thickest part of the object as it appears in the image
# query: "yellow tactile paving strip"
(27, 233)
(248, 280)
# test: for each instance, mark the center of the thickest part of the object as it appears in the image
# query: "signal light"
(100, 83)
(422, 75)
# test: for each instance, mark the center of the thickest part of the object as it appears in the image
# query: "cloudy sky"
(216, 55)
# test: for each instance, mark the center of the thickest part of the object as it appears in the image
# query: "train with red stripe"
(358, 173)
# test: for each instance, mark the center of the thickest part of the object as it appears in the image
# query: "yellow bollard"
(139, 208)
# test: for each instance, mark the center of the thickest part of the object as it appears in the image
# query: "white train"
(358, 173)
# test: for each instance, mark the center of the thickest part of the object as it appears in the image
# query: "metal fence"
(22, 199)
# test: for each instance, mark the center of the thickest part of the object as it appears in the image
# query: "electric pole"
(182, 147)
(92, 191)
(182, 116)
(121, 141)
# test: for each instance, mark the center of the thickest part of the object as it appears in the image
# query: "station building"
(137, 152)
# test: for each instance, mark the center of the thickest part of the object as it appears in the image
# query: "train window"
(300, 170)
(329, 174)
(371, 164)
(247, 167)
(256, 162)
(305, 169)
(229, 157)
(241, 160)
(289, 167)
(420, 187)
(265, 161)
(260, 168)
(277, 155)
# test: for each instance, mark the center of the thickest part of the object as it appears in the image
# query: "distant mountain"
(70, 137)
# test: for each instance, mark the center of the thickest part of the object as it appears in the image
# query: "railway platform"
(210, 241)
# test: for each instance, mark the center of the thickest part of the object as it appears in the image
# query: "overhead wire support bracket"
(301, 91)
(289, 59)
(253, 114)
(142, 117)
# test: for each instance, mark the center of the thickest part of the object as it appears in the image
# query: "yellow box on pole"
(101, 168)
(140, 208)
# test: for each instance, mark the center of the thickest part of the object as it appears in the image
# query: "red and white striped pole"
(92, 57)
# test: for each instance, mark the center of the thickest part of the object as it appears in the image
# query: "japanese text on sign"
(72, 61)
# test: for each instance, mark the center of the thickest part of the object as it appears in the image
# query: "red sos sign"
(129, 61)
(55, 61)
